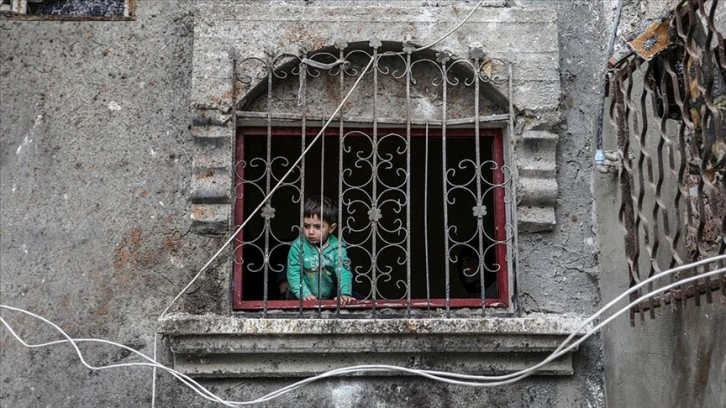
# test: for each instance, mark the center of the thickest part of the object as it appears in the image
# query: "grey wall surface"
(95, 166)
(94, 171)
(677, 359)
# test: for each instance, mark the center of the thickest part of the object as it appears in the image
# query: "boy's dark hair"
(314, 206)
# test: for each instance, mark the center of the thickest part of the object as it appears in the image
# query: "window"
(423, 199)
(71, 9)
(285, 98)
(394, 220)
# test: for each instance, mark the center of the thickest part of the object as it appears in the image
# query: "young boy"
(317, 246)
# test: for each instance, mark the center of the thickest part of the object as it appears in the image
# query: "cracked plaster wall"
(95, 173)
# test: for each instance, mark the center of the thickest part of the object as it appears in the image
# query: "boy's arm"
(293, 271)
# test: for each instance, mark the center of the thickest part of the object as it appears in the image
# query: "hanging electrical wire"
(451, 378)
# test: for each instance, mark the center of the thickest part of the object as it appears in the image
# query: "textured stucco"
(96, 147)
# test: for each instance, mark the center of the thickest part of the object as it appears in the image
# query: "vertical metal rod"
(341, 131)
(321, 259)
(478, 180)
(268, 175)
(408, 182)
(447, 272)
(510, 201)
(237, 278)
(374, 181)
(426, 217)
(303, 135)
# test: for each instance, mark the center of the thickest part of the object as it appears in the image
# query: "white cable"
(182, 377)
(452, 30)
(439, 376)
(621, 297)
(347, 370)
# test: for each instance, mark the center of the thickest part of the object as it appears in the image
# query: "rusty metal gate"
(668, 107)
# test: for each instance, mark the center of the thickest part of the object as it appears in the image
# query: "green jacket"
(333, 266)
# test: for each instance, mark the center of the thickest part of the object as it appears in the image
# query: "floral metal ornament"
(268, 212)
(374, 214)
(476, 51)
(479, 210)
(444, 56)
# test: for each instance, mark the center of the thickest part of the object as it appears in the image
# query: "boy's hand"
(310, 297)
(345, 300)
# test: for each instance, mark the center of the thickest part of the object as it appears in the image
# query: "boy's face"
(316, 230)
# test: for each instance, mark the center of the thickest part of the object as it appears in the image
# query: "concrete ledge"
(217, 346)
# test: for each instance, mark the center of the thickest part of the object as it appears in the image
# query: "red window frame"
(499, 219)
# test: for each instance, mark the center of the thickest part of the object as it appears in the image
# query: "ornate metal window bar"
(416, 161)
(668, 105)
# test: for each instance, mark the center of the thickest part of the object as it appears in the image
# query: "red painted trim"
(237, 300)
(367, 304)
(500, 220)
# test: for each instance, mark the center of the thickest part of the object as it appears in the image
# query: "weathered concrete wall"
(94, 175)
(677, 359)
(95, 168)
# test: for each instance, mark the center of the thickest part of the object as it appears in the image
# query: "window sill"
(220, 346)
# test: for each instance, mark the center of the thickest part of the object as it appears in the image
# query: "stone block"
(211, 186)
(212, 156)
(212, 132)
(536, 219)
(214, 93)
(213, 220)
(536, 95)
(537, 154)
(538, 192)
